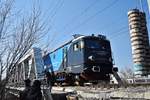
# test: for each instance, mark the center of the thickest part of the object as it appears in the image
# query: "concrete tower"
(139, 42)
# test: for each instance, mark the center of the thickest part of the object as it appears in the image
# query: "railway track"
(94, 92)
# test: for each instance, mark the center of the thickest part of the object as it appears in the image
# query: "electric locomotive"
(83, 59)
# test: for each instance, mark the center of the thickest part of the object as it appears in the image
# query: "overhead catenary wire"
(119, 30)
(109, 25)
(93, 16)
(141, 5)
(54, 34)
(119, 34)
(54, 12)
(75, 18)
(58, 6)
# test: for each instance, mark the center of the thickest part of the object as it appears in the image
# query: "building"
(139, 42)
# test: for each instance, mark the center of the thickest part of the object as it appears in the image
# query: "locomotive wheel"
(79, 83)
(71, 79)
(72, 83)
(78, 80)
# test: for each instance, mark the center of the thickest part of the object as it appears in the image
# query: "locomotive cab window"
(82, 44)
(93, 44)
(96, 44)
(76, 46)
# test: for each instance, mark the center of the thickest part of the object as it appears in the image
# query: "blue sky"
(107, 17)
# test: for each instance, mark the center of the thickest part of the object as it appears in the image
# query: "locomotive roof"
(101, 37)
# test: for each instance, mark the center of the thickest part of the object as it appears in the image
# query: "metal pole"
(141, 6)
(148, 3)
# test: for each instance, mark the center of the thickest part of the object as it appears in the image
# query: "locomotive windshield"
(96, 44)
(93, 44)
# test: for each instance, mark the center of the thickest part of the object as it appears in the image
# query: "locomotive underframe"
(87, 75)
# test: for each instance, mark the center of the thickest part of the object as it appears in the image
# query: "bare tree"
(127, 72)
(17, 36)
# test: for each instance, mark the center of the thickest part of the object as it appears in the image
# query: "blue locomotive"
(83, 59)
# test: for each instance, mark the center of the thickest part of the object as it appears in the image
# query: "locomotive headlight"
(91, 58)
